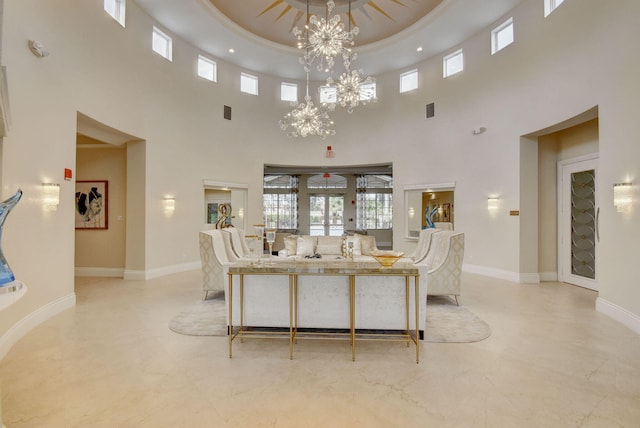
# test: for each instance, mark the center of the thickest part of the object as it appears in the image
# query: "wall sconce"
(169, 205)
(50, 196)
(241, 213)
(622, 197)
(493, 204)
(412, 212)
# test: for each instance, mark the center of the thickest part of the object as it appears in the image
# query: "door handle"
(598, 224)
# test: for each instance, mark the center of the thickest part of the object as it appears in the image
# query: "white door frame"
(565, 168)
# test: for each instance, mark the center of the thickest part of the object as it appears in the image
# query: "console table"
(353, 271)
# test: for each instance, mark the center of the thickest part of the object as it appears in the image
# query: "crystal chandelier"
(350, 89)
(307, 119)
(325, 38)
(353, 87)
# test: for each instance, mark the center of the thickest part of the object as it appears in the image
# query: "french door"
(326, 215)
(578, 213)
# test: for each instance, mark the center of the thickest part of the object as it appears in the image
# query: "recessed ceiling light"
(231, 50)
(419, 49)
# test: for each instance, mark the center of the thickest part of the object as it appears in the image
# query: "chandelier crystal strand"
(350, 87)
(307, 119)
(324, 38)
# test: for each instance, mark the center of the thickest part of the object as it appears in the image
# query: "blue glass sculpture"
(429, 217)
(6, 275)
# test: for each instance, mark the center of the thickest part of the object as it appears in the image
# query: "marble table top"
(320, 267)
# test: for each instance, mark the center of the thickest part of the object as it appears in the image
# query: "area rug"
(449, 323)
(446, 322)
(203, 318)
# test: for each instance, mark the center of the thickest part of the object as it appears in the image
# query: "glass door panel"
(336, 216)
(326, 215)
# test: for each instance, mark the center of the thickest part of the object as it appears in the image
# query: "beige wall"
(100, 249)
(557, 68)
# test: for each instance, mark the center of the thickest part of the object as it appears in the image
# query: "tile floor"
(552, 361)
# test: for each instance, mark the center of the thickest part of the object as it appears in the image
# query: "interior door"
(326, 215)
(578, 223)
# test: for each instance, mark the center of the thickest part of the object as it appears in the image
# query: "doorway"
(326, 215)
(578, 222)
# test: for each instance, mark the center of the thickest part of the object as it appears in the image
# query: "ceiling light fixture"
(325, 38)
(306, 119)
(322, 40)
(353, 86)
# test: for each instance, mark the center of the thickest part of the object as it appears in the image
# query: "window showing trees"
(374, 202)
(280, 201)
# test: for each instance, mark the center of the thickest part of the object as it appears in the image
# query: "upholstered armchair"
(444, 264)
(424, 243)
(213, 256)
(238, 242)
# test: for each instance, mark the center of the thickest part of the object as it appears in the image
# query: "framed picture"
(92, 204)
(446, 211)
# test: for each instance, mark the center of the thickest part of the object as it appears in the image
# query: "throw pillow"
(306, 246)
(291, 244)
(329, 245)
(367, 244)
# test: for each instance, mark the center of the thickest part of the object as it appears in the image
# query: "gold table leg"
(416, 281)
(406, 296)
(352, 314)
(291, 315)
(230, 312)
(241, 308)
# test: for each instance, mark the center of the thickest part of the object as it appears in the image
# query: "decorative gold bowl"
(387, 258)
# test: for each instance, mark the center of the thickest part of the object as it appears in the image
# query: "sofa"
(323, 300)
(328, 247)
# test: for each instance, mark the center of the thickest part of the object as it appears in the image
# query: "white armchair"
(424, 243)
(213, 256)
(238, 242)
(444, 264)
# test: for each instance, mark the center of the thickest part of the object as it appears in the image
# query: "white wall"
(557, 68)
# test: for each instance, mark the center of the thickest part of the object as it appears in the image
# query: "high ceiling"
(391, 31)
(274, 19)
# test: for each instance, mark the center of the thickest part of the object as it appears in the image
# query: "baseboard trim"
(548, 276)
(101, 272)
(618, 313)
(529, 278)
(142, 275)
(493, 273)
(32, 320)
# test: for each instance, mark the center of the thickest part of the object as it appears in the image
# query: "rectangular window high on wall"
(368, 91)
(453, 63)
(502, 36)
(162, 44)
(328, 95)
(550, 6)
(117, 9)
(248, 84)
(288, 92)
(207, 69)
(409, 81)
